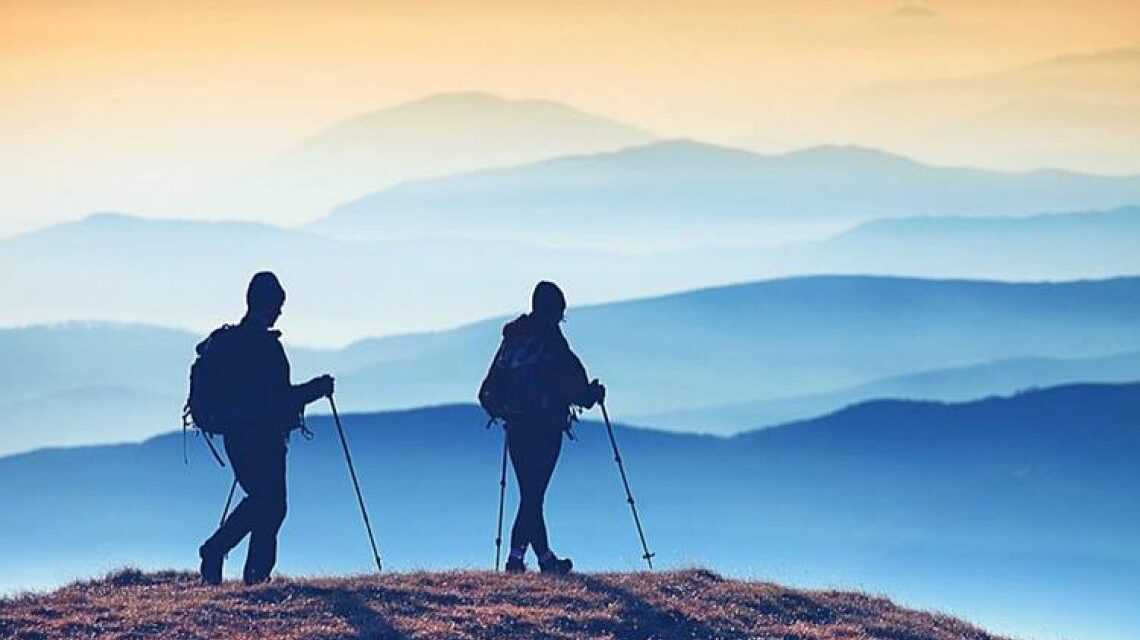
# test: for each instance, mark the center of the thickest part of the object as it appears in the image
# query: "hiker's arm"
(312, 390)
(299, 395)
(576, 385)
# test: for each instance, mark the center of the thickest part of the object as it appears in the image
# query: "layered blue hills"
(116, 267)
(662, 189)
(754, 343)
(990, 509)
(999, 377)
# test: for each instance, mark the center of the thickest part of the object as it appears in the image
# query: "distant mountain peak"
(477, 105)
(458, 96)
(481, 99)
(839, 151)
(690, 144)
(109, 217)
(115, 219)
(428, 137)
(681, 148)
(690, 150)
(455, 101)
(96, 229)
(850, 153)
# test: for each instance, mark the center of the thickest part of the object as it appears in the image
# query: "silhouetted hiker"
(533, 382)
(262, 407)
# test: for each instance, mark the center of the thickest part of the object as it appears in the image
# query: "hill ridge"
(467, 605)
(676, 190)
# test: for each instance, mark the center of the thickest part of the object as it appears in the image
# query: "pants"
(534, 449)
(259, 465)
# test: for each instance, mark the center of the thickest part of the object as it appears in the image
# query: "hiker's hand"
(597, 392)
(323, 385)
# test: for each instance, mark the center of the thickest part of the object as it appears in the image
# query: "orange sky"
(683, 68)
(152, 77)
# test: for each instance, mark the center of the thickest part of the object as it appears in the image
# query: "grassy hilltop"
(466, 605)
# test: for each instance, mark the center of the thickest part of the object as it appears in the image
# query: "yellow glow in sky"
(220, 84)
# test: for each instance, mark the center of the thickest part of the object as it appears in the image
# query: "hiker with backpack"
(533, 384)
(240, 388)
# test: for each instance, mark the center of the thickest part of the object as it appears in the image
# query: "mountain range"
(436, 135)
(187, 274)
(772, 339)
(958, 384)
(1086, 244)
(766, 344)
(680, 193)
(178, 273)
(987, 509)
(1051, 246)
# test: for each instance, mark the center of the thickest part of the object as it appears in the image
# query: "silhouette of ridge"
(633, 191)
(469, 606)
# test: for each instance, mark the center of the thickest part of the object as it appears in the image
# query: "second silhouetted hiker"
(532, 384)
(247, 395)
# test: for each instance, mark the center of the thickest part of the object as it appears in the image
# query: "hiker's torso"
(258, 370)
(559, 372)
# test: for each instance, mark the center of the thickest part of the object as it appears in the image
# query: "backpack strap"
(186, 422)
(209, 443)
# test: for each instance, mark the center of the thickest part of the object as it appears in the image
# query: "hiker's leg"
(240, 521)
(230, 533)
(547, 450)
(269, 509)
(520, 446)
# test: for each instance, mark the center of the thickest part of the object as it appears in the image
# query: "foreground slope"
(685, 604)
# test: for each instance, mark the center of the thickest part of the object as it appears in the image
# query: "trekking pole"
(229, 501)
(226, 509)
(355, 483)
(628, 494)
(502, 497)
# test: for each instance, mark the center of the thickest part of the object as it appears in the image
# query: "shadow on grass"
(365, 621)
(350, 606)
(638, 619)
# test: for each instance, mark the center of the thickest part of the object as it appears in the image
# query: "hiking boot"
(555, 565)
(251, 578)
(515, 565)
(211, 566)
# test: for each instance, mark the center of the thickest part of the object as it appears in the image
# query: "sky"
(115, 104)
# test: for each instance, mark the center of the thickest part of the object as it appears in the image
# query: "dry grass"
(461, 605)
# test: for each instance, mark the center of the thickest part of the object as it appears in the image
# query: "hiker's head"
(547, 302)
(264, 299)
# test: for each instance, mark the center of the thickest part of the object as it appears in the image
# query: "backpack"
(515, 385)
(209, 403)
